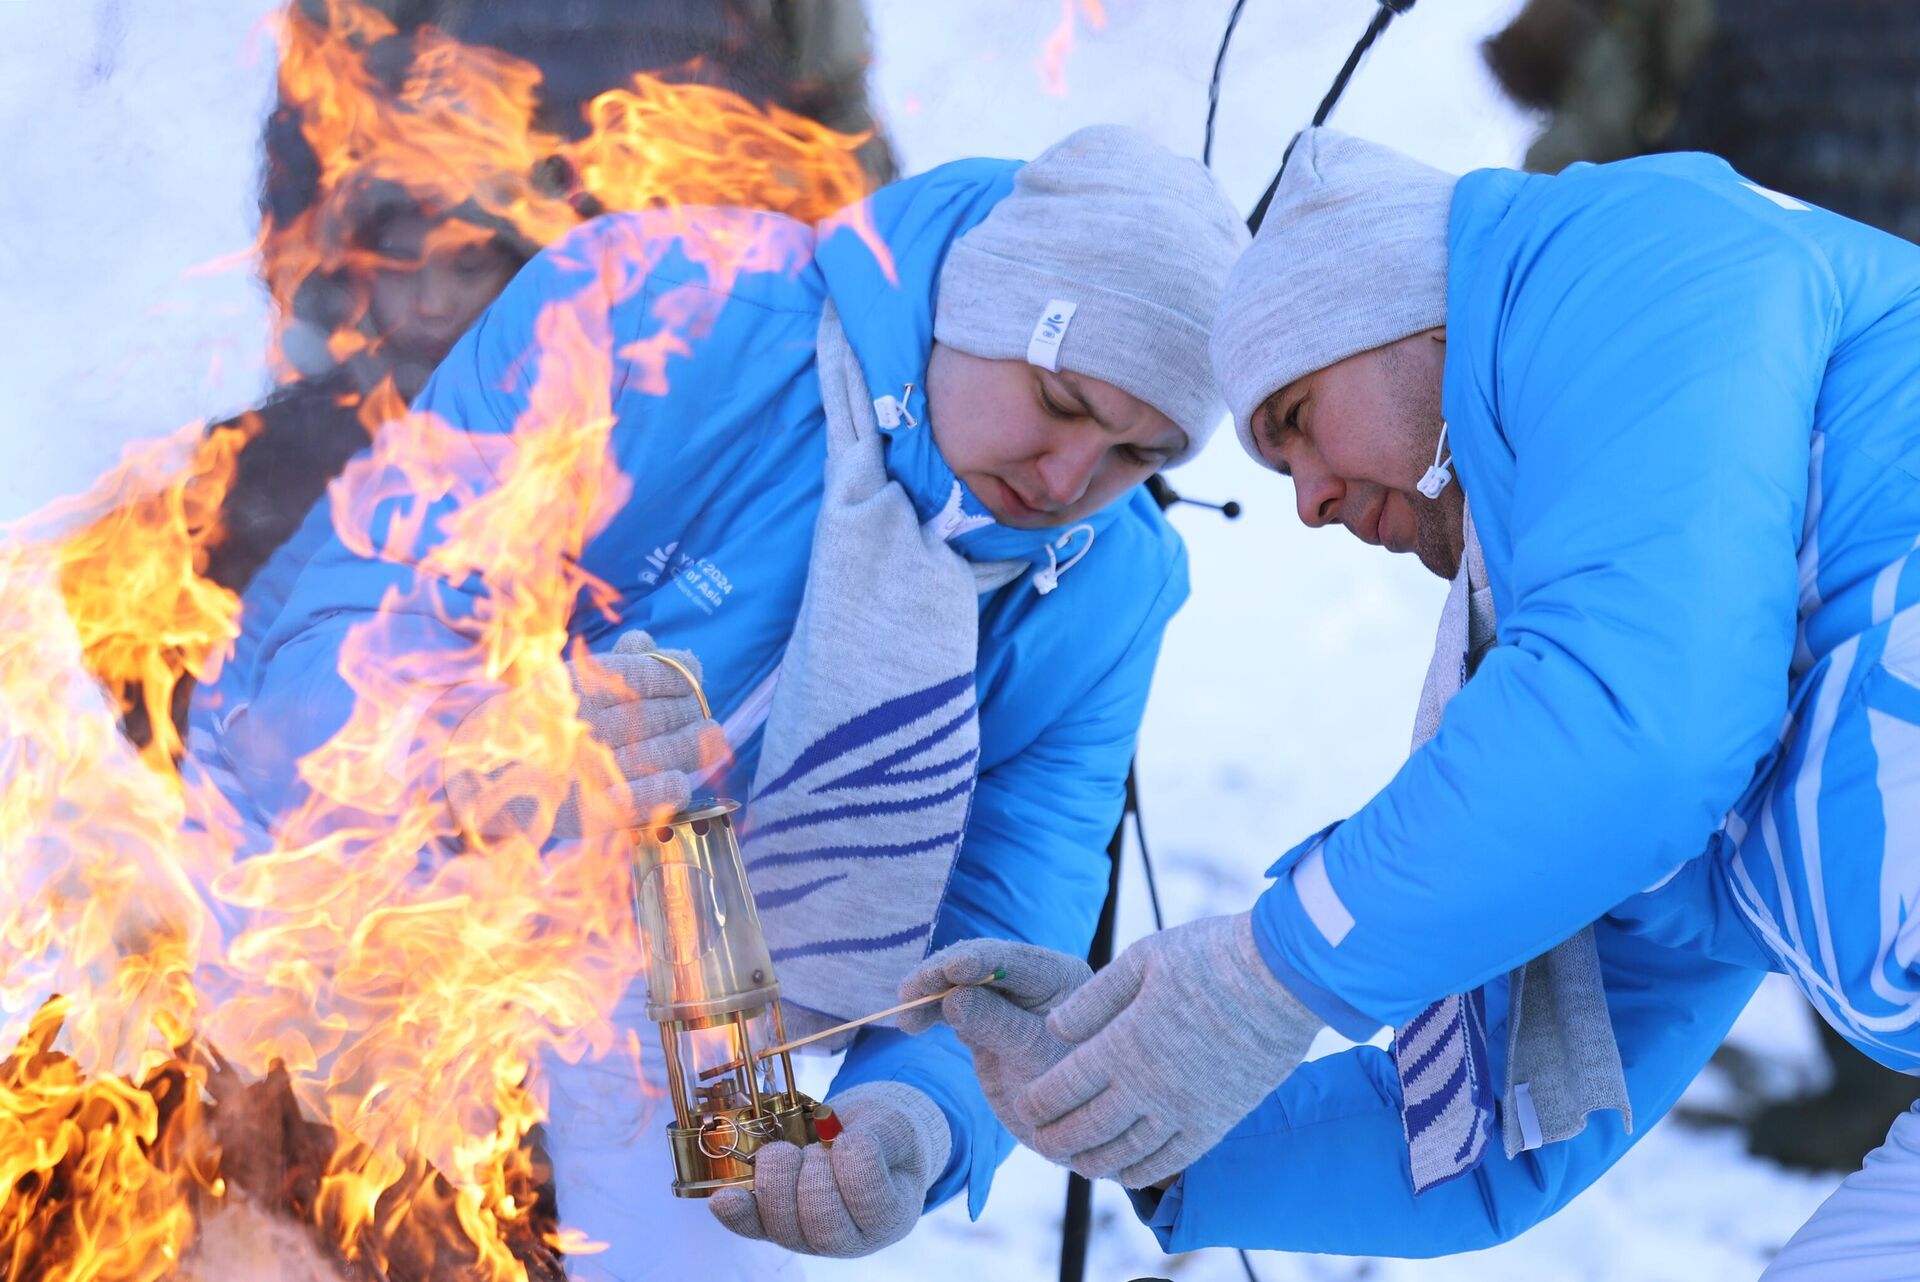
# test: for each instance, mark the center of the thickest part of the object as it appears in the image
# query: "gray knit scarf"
(1563, 1063)
(867, 768)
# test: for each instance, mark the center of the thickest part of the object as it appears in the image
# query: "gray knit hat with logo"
(1352, 256)
(1107, 259)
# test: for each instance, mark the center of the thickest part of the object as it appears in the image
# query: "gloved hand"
(864, 1191)
(1172, 1044)
(1002, 1022)
(635, 705)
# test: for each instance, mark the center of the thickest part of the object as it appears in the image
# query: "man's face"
(1042, 449)
(1356, 438)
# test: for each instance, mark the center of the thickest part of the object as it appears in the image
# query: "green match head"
(999, 972)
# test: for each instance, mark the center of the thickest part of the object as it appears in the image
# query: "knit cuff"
(912, 1105)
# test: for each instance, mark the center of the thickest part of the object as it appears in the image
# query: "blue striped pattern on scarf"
(865, 906)
(1446, 1088)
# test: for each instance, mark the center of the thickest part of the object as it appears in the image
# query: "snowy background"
(1286, 688)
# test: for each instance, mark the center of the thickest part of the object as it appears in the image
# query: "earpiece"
(1436, 477)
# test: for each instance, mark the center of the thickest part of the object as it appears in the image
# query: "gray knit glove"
(1003, 1022)
(1173, 1043)
(864, 1191)
(642, 709)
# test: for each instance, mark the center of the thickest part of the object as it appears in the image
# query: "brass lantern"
(711, 988)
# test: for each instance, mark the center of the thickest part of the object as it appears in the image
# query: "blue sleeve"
(1033, 867)
(379, 596)
(1321, 1165)
(1655, 373)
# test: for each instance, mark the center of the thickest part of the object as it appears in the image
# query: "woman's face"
(1042, 449)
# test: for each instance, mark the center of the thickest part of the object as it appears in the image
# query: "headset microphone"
(1436, 477)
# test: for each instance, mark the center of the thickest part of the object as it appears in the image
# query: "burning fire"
(338, 1020)
(458, 136)
(1053, 54)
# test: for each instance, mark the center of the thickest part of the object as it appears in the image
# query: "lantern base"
(718, 1154)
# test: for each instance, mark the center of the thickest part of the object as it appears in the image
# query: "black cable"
(1076, 1228)
(1385, 14)
(1146, 859)
(1213, 89)
(1388, 10)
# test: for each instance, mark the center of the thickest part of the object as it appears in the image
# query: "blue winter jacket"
(1650, 366)
(710, 553)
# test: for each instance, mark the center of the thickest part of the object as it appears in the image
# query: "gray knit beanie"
(1107, 259)
(1352, 256)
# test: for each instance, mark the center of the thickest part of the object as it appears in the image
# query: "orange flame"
(1053, 53)
(457, 137)
(405, 997)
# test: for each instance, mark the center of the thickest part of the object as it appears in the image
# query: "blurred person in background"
(401, 273)
(1657, 424)
(408, 301)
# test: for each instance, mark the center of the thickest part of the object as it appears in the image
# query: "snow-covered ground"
(1286, 688)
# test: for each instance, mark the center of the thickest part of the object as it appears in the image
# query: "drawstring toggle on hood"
(891, 411)
(1045, 581)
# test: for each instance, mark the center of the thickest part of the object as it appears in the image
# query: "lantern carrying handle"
(705, 711)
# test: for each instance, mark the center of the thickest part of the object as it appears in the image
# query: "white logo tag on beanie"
(1043, 349)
